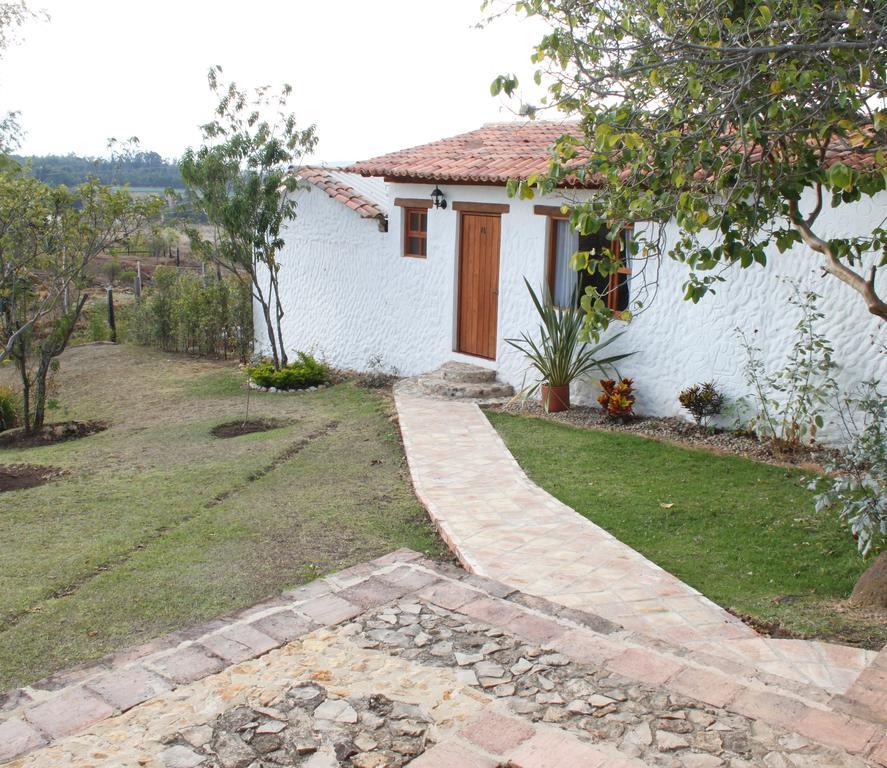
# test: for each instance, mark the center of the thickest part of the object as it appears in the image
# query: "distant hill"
(141, 170)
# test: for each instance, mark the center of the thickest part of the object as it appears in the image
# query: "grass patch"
(743, 533)
(156, 524)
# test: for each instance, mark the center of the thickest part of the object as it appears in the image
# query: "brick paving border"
(73, 701)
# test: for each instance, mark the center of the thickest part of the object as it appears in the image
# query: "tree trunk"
(871, 589)
(26, 404)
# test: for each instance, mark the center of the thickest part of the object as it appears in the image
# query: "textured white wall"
(350, 295)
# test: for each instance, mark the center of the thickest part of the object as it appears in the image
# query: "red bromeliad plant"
(617, 399)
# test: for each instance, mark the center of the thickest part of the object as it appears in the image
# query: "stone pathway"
(403, 661)
(500, 524)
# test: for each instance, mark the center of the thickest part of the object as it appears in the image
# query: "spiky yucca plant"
(560, 356)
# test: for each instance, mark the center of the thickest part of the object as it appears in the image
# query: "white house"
(373, 270)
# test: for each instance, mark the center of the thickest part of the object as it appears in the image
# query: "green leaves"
(840, 176)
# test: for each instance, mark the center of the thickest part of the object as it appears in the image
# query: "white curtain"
(566, 244)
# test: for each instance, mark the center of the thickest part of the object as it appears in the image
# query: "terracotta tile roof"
(334, 182)
(494, 153)
(498, 152)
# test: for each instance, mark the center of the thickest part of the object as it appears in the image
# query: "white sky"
(374, 76)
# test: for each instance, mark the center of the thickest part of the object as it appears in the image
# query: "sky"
(374, 76)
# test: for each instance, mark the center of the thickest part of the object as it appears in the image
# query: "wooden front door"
(478, 284)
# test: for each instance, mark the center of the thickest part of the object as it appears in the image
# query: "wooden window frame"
(418, 234)
(554, 214)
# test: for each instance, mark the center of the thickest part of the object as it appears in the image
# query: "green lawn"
(743, 533)
(133, 542)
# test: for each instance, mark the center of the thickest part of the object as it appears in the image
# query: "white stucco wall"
(350, 296)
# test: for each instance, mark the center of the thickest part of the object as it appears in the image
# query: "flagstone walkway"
(406, 662)
(502, 525)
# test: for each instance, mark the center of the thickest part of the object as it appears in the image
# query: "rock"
(466, 677)
(198, 735)
(323, 758)
(579, 707)
(544, 683)
(700, 718)
(522, 665)
(669, 742)
(272, 389)
(442, 649)
(181, 757)
(555, 715)
(554, 660)
(364, 743)
(336, 710)
(642, 735)
(549, 698)
(596, 700)
(371, 720)
(263, 743)
(401, 710)
(421, 640)
(505, 689)
(344, 749)
(404, 747)
(708, 741)
(231, 751)
(465, 659)
(406, 728)
(489, 669)
(370, 760)
(695, 760)
(273, 726)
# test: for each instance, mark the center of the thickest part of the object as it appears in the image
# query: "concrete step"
(465, 373)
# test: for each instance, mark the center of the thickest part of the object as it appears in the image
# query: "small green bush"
(9, 408)
(304, 372)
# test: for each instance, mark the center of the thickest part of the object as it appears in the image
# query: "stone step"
(465, 373)
(454, 390)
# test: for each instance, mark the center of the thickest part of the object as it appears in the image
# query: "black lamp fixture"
(437, 198)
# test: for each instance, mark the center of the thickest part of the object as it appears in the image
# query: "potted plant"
(560, 356)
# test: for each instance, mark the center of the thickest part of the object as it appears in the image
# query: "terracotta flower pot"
(555, 399)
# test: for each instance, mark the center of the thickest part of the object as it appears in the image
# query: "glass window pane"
(415, 219)
(566, 242)
(416, 246)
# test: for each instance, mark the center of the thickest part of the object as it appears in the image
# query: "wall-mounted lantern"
(437, 198)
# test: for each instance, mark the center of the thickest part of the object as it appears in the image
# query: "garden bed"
(675, 430)
(14, 477)
(240, 427)
(57, 432)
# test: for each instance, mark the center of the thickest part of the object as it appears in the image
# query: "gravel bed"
(672, 429)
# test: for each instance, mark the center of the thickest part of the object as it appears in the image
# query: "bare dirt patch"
(239, 427)
(14, 477)
(58, 432)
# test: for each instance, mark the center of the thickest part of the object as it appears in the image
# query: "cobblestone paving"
(405, 662)
(500, 524)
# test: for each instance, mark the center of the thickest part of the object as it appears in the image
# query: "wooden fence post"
(111, 324)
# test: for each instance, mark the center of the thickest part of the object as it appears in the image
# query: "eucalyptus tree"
(741, 120)
(241, 178)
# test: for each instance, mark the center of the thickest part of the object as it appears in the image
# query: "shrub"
(304, 372)
(9, 408)
(702, 401)
(617, 399)
(187, 312)
(561, 355)
(789, 402)
(857, 491)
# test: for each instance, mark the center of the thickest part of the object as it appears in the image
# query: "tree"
(739, 119)
(241, 179)
(48, 237)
